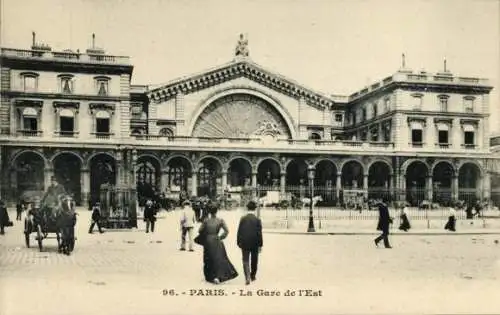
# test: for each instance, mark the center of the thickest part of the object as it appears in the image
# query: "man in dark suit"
(96, 218)
(249, 239)
(384, 221)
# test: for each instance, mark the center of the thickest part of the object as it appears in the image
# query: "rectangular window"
(67, 125)
(363, 114)
(338, 118)
(102, 87)
(469, 138)
(30, 123)
(416, 136)
(353, 118)
(443, 137)
(443, 104)
(417, 102)
(66, 85)
(29, 83)
(375, 110)
(469, 105)
(102, 125)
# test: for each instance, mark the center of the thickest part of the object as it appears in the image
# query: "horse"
(66, 221)
(307, 201)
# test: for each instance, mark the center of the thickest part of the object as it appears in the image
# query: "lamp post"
(310, 175)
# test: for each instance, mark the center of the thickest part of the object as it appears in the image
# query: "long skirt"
(216, 263)
(405, 223)
(450, 225)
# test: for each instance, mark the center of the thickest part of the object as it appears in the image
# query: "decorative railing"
(102, 135)
(68, 56)
(443, 145)
(29, 133)
(67, 134)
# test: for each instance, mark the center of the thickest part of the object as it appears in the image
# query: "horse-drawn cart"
(60, 220)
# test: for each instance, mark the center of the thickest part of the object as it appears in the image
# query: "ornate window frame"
(374, 110)
(387, 103)
(420, 120)
(70, 78)
(62, 105)
(95, 108)
(443, 102)
(33, 75)
(166, 132)
(21, 106)
(417, 101)
(102, 81)
(471, 99)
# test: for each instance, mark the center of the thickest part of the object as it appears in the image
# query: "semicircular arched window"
(166, 132)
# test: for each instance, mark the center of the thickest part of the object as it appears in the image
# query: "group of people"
(217, 266)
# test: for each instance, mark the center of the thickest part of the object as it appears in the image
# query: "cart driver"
(51, 197)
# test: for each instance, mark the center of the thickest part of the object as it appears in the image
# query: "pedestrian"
(468, 211)
(479, 208)
(187, 224)
(4, 218)
(96, 218)
(217, 267)
(451, 223)
(19, 210)
(149, 216)
(405, 222)
(197, 209)
(249, 240)
(384, 221)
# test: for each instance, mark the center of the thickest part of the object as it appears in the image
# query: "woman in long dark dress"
(405, 222)
(216, 265)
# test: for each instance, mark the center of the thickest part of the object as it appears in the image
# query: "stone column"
(486, 186)
(338, 186)
(48, 173)
(85, 186)
(454, 187)
(429, 188)
(164, 179)
(254, 184)
(380, 135)
(365, 185)
(282, 185)
(224, 180)
(194, 183)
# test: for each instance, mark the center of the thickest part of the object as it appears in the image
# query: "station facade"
(411, 136)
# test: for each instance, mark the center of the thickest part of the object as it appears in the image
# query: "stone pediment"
(239, 68)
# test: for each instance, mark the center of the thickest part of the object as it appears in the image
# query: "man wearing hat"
(249, 239)
(187, 224)
(149, 215)
(51, 197)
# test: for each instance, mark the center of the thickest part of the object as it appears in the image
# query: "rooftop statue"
(242, 47)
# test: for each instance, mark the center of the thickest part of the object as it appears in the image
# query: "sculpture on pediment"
(242, 47)
(267, 128)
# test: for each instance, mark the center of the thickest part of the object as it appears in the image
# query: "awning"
(443, 127)
(66, 113)
(102, 114)
(30, 111)
(469, 128)
(416, 125)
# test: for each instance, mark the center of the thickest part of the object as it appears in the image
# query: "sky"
(332, 46)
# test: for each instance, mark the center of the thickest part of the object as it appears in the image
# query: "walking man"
(19, 210)
(149, 216)
(96, 218)
(249, 239)
(384, 221)
(187, 224)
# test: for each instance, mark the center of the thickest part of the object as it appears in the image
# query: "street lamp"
(310, 175)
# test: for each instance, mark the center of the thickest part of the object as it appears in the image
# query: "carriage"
(60, 220)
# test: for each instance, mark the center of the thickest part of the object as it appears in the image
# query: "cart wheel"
(39, 236)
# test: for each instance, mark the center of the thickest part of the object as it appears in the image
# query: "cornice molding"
(235, 70)
(33, 103)
(79, 97)
(62, 104)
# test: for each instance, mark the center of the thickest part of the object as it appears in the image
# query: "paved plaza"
(131, 272)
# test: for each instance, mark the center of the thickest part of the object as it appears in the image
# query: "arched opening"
(166, 132)
(67, 170)
(268, 173)
(28, 176)
(469, 182)
(148, 178)
(102, 171)
(179, 170)
(314, 136)
(209, 177)
(325, 180)
(379, 181)
(297, 181)
(441, 183)
(239, 173)
(352, 175)
(416, 176)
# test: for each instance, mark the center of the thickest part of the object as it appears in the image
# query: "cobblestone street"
(125, 272)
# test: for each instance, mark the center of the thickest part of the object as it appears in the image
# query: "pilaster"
(179, 113)
(5, 106)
